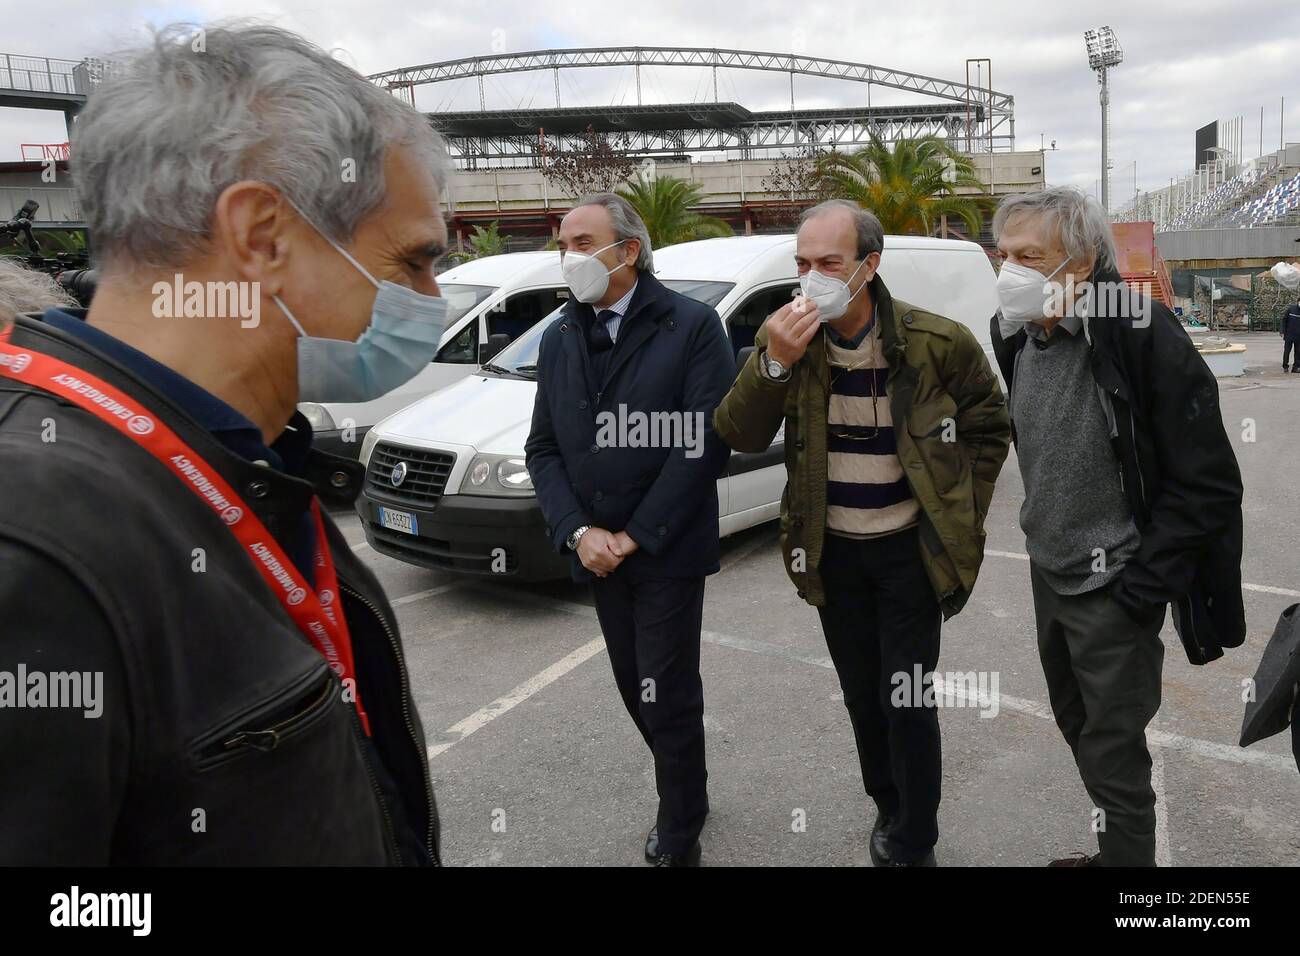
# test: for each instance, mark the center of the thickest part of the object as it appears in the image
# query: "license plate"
(398, 521)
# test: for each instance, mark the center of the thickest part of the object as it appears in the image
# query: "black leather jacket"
(224, 737)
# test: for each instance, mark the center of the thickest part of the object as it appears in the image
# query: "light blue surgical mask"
(401, 339)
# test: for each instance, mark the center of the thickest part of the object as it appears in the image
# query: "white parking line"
(763, 647)
(1155, 738)
(1267, 589)
(502, 705)
(1246, 586)
(1163, 857)
(989, 552)
(421, 595)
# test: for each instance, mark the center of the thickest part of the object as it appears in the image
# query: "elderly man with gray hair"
(171, 559)
(1132, 497)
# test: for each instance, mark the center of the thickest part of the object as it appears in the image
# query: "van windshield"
(461, 298)
(520, 356)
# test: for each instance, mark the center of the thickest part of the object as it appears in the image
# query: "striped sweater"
(866, 492)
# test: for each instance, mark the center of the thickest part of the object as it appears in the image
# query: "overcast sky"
(1186, 63)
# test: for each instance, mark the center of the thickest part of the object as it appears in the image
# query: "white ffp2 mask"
(1024, 295)
(585, 275)
(831, 294)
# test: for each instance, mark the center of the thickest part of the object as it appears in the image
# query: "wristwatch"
(571, 542)
(774, 369)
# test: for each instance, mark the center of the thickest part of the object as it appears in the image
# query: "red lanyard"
(313, 610)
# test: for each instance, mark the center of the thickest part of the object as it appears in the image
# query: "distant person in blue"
(1290, 330)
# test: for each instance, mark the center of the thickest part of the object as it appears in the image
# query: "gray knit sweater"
(1078, 527)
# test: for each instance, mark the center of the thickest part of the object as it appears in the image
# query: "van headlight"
(513, 474)
(319, 417)
(367, 446)
(497, 475)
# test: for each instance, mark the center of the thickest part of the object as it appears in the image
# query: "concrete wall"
(57, 204)
(22, 181)
(1215, 244)
(1007, 173)
(726, 183)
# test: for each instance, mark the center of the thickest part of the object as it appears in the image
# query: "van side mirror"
(495, 343)
(743, 356)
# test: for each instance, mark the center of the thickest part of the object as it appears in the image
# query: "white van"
(490, 303)
(445, 481)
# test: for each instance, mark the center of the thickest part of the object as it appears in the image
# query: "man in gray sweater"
(1129, 479)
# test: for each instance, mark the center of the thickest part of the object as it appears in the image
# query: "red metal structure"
(1139, 260)
(45, 151)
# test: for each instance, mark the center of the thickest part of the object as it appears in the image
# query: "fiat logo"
(399, 474)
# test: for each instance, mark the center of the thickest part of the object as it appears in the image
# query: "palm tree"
(483, 242)
(489, 241)
(664, 204)
(909, 188)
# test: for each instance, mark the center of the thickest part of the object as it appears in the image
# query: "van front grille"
(425, 479)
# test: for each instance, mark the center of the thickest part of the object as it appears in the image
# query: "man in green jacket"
(895, 431)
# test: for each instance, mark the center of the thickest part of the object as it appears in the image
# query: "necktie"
(601, 340)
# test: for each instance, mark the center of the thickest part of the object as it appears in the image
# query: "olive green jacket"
(950, 423)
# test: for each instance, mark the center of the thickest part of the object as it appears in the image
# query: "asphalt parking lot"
(535, 762)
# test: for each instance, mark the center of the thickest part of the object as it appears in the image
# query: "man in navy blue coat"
(625, 462)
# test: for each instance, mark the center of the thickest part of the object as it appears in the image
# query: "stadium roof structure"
(973, 117)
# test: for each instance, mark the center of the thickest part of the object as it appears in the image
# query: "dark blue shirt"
(288, 453)
(857, 339)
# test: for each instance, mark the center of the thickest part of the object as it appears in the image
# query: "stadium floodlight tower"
(1104, 52)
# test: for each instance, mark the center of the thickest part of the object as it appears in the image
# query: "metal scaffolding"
(971, 115)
